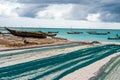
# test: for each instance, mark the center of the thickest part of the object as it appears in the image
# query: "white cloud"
(93, 17)
(8, 9)
(50, 23)
(13, 13)
(55, 11)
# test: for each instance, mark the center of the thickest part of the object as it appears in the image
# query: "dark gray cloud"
(109, 10)
(78, 12)
(108, 17)
(30, 10)
(53, 1)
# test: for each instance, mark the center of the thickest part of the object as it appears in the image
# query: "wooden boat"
(74, 32)
(115, 38)
(49, 34)
(53, 32)
(98, 33)
(29, 34)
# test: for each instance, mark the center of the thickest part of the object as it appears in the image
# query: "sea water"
(83, 37)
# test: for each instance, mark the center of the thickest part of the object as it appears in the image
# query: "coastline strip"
(32, 47)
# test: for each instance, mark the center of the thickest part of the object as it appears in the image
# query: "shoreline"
(10, 42)
(3, 48)
(39, 46)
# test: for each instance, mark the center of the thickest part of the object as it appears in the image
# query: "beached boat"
(51, 34)
(29, 34)
(98, 33)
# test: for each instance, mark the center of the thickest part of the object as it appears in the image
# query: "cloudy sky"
(61, 13)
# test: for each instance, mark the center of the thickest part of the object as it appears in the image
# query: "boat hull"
(74, 32)
(96, 33)
(53, 32)
(113, 38)
(27, 34)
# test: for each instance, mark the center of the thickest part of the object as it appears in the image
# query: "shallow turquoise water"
(85, 36)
